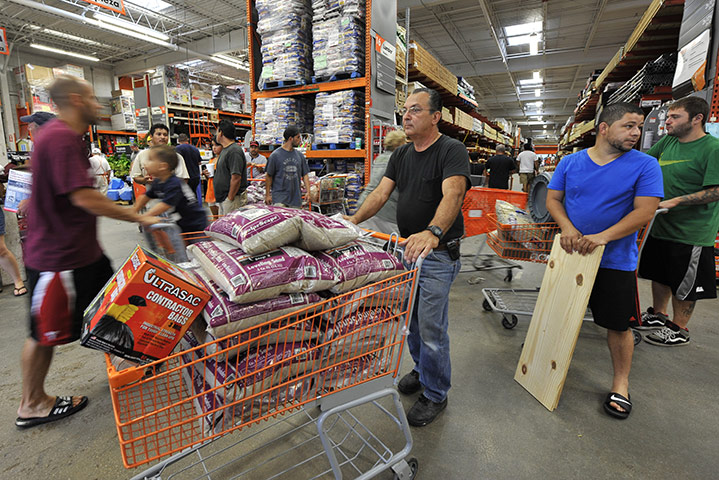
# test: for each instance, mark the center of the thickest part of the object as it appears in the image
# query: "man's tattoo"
(688, 309)
(708, 195)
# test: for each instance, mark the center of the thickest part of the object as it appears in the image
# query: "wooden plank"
(555, 324)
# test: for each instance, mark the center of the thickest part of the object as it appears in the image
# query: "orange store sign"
(114, 5)
(4, 50)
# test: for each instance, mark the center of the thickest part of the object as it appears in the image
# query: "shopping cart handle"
(384, 236)
(662, 210)
(157, 226)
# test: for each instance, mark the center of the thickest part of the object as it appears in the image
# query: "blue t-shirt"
(184, 208)
(287, 169)
(597, 197)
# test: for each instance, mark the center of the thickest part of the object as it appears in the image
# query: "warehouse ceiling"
(577, 37)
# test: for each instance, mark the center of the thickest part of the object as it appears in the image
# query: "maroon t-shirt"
(60, 235)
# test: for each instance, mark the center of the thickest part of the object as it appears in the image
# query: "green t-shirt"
(688, 168)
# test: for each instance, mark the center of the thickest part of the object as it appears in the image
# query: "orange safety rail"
(479, 203)
(207, 390)
(530, 242)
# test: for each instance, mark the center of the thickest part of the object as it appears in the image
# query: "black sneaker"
(410, 383)
(669, 336)
(651, 320)
(424, 411)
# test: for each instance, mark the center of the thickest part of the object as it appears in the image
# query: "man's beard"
(681, 130)
(619, 145)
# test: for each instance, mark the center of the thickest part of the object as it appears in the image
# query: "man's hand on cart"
(268, 198)
(149, 220)
(588, 243)
(419, 245)
(23, 207)
(667, 205)
(570, 239)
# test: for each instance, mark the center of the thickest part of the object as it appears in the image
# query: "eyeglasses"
(414, 110)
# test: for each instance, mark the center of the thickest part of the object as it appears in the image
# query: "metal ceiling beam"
(404, 4)
(552, 59)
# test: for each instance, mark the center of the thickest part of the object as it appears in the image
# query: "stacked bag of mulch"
(263, 263)
(338, 38)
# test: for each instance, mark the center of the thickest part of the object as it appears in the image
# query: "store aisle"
(492, 428)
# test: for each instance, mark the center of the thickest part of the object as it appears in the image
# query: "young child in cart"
(177, 201)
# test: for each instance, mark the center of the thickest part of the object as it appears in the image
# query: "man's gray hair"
(501, 148)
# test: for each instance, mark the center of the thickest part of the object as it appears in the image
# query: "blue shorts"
(2, 222)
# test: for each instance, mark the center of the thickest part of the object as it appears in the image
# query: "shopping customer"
(230, 172)
(209, 174)
(528, 167)
(192, 158)
(603, 196)
(431, 175)
(159, 135)
(255, 162)
(499, 168)
(8, 262)
(65, 264)
(285, 167)
(679, 256)
(100, 169)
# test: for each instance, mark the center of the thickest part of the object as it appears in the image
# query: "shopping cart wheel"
(509, 276)
(487, 307)
(637, 337)
(509, 322)
(413, 465)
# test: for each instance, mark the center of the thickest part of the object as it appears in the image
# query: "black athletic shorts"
(58, 300)
(614, 300)
(689, 270)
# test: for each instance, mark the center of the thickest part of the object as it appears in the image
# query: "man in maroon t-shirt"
(65, 264)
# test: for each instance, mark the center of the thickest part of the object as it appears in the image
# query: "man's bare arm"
(708, 195)
(374, 202)
(96, 203)
(570, 235)
(235, 182)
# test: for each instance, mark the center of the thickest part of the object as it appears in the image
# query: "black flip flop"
(620, 400)
(62, 408)
(16, 290)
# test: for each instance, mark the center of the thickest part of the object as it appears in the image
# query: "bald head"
(64, 86)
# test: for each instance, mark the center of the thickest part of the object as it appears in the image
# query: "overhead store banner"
(114, 5)
(4, 49)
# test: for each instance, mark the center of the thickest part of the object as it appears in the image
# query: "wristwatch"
(436, 231)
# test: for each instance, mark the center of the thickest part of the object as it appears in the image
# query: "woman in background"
(209, 173)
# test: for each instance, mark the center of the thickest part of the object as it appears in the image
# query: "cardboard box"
(34, 75)
(69, 69)
(144, 310)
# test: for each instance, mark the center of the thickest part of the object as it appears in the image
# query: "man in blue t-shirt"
(603, 196)
(285, 167)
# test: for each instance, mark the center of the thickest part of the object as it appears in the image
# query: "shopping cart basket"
(478, 204)
(530, 243)
(174, 410)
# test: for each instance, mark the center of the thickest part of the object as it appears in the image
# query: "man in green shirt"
(679, 256)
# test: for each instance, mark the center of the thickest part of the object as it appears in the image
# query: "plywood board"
(556, 321)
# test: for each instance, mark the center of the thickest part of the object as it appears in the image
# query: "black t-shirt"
(192, 158)
(418, 177)
(231, 162)
(476, 168)
(184, 208)
(499, 167)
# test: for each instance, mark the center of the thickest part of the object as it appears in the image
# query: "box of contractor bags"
(144, 310)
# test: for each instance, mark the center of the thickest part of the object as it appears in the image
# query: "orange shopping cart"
(529, 243)
(479, 204)
(208, 411)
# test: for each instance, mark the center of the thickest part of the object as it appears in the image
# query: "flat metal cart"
(311, 413)
(531, 243)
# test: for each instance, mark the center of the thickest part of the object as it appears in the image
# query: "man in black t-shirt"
(431, 175)
(499, 168)
(230, 180)
(192, 158)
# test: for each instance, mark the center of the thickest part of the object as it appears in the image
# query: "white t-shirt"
(138, 166)
(526, 161)
(99, 167)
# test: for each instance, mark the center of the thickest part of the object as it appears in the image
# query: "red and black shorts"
(689, 270)
(59, 299)
(614, 300)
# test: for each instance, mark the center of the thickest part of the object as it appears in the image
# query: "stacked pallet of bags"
(338, 38)
(285, 30)
(277, 312)
(339, 117)
(273, 115)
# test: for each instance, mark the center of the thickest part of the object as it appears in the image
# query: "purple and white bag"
(247, 278)
(359, 333)
(225, 317)
(257, 228)
(358, 264)
(318, 232)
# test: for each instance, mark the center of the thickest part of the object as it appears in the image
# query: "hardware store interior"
(229, 349)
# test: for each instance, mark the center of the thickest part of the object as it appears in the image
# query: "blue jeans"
(428, 338)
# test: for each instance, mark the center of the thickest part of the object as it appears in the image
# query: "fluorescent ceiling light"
(128, 33)
(523, 29)
(225, 60)
(150, 4)
(522, 39)
(536, 75)
(537, 92)
(103, 18)
(64, 52)
(192, 63)
(534, 44)
(530, 81)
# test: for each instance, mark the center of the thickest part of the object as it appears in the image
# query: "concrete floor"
(491, 429)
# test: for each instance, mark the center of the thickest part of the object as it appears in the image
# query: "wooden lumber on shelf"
(557, 318)
(423, 64)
